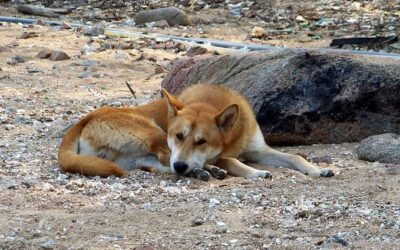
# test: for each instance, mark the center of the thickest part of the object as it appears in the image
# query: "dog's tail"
(71, 161)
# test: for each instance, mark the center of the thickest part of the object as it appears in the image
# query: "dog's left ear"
(173, 104)
(227, 118)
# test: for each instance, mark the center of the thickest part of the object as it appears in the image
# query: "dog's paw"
(260, 173)
(326, 173)
(321, 173)
(200, 174)
(218, 173)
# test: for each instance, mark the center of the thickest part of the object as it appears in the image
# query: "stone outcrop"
(304, 98)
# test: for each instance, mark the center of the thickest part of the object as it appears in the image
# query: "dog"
(207, 127)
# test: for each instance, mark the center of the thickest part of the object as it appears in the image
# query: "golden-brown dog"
(205, 127)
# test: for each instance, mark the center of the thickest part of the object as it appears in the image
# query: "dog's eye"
(200, 142)
(179, 136)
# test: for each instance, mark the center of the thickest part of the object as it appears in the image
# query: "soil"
(42, 207)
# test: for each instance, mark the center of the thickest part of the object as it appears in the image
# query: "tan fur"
(204, 126)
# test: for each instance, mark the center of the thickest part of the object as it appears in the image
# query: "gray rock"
(47, 245)
(172, 15)
(15, 60)
(383, 148)
(303, 98)
(57, 55)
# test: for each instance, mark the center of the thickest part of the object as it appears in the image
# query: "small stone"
(355, 6)
(159, 70)
(197, 222)
(27, 35)
(48, 244)
(304, 38)
(40, 22)
(44, 53)
(258, 32)
(58, 55)
(194, 51)
(94, 30)
(65, 26)
(256, 235)
(221, 224)
(300, 19)
(213, 202)
(318, 159)
(15, 60)
(166, 64)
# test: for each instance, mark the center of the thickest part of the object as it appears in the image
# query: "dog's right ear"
(173, 104)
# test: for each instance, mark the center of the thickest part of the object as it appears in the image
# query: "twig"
(131, 90)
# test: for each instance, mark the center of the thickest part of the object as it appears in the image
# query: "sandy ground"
(41, 207)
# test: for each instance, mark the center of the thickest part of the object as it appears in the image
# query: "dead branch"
(131, 90)
(42, 11)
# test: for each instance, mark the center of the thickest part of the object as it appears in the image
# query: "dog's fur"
(205, 127)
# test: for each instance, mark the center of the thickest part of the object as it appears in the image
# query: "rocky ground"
(274, 22)
(41, 207)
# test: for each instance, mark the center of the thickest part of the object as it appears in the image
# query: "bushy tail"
(70, 161)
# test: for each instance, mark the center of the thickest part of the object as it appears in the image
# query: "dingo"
(205, 127)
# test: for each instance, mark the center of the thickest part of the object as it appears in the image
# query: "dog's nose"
(180, 167)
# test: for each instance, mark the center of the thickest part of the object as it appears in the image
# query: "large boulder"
(304, 98)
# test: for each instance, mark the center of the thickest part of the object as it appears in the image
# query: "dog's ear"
(227, 118)
(173, 104)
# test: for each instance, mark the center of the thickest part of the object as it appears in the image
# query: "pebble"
(58, 55)
(15, 60)
(48, 244)
(44, 53)
(213, 202)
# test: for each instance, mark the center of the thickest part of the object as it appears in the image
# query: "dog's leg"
(237, 168)
(259, 152)
(215, 171)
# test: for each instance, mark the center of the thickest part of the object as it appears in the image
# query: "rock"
(304, 99)
(213, 202)
(44, 53)
(319, 159)
(4, 49)
(258, 32)
(194, 51)
(15, 60)
(47, 245)
(27, 35)
(300, 19)
(58, 55)
(383, 148)
(65, 26)
(304, 38)
(94, 30)
(172, 15)
(158, 70)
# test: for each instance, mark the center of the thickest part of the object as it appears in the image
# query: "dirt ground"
(41, 207)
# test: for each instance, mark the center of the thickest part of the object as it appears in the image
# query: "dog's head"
(196, 133)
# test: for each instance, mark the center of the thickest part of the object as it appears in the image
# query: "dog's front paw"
(321, 173)
(260, 173)
(200, 174)
(326, 173)
(218, 173)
